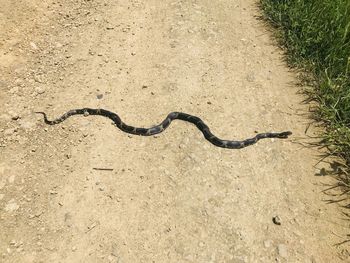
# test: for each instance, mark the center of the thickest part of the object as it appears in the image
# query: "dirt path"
(174, 197)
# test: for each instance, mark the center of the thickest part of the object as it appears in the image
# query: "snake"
(198, 122)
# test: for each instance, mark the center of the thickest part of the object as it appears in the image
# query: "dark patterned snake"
(161, 127)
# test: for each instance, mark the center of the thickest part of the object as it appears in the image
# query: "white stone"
(11, 206)
(267, 243)
(33, 45)
(282, 250)
(40, 90)
(9, 131)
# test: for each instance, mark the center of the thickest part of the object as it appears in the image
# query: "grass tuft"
(316, 35)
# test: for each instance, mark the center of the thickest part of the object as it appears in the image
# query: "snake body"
(164, 124)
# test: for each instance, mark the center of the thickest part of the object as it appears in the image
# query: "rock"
(9, 131)
(14, 115)
(267, 243)
(11, 206)
(99, 96)
(40, 90)
(276, 220)
(38, 78)
(112, 258)
(33, 45)
(58, 45)
(282, 250)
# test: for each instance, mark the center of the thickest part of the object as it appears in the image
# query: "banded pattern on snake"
(164, 124)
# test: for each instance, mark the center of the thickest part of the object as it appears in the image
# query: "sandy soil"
(169, 198)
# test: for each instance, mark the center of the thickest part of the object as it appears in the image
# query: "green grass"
(316, 35)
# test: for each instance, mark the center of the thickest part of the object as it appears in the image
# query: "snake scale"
(164, 124)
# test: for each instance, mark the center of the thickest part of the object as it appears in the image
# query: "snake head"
(284, 135)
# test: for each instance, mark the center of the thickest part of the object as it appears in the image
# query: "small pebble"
(267, 243)
(276, 220)
(38, 78)
(11, 206)
(15, 117)
(99, 96)
(33, 45)
(9, 131)
(282, 250)
(111, 258)
(40, 90)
